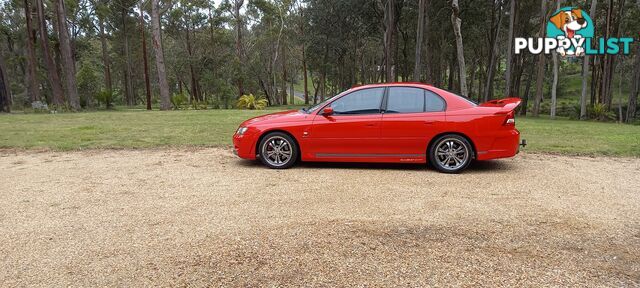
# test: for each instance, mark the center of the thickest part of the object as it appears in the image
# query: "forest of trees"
(72, 55)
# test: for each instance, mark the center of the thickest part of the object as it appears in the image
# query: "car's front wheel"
(451, 153)
(278, 151)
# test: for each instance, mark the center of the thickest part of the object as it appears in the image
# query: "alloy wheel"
(277, 151)
(452, 154)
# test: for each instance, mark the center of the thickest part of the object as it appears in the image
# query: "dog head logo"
(570, 25)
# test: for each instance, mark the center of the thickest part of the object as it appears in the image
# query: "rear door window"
(405, 100)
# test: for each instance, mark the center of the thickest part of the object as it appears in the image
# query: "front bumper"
(244, 146)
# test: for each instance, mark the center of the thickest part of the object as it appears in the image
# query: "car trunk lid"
(506, 107)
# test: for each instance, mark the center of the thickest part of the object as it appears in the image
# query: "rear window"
(471, 101)
(433, 103)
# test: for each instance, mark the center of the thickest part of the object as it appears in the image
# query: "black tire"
(444, 155)
(274, 148)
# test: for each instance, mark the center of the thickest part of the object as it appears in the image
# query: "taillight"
(511, 119)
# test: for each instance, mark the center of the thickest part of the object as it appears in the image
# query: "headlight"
(241, 130)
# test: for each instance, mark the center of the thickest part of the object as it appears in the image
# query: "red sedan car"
(397, 123)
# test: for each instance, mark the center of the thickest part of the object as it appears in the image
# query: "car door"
(411, 118)
(352, 131)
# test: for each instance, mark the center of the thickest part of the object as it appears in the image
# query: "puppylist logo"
(570, 32)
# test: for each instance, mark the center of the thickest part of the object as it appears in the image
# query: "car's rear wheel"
(278, 151)
(451, 153)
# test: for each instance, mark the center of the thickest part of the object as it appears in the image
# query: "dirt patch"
(201, 216)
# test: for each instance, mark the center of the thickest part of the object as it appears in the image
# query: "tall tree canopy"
(88, 54)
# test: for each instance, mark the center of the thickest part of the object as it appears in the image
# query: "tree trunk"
(455, 20)
(507, 74)
(145, 60)
(33, 89)
(292, 92)
(105, 57)
(527, 89)
(68, 63)
(595, 76)
(615, 33)
(323, 85)
(304, 59)
(635, 88)
(554, 85)
(541, 60)
(451, 70)
(606, 74)
(585, 72)
(5, 92)
(304, 76)
(517, 70)
(316, 88)
(239, 53)
(389, 20)
(165, 101)
(128, 73)
(473, 77)
(52, 70)
(194, 83)
(488, 93)
(284, 77)
(426, 51)
(417, 69)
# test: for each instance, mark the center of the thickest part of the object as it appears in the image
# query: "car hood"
(285, 116)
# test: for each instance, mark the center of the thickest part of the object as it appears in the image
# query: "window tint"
(434, 103)
(366, 101)
(405, 100)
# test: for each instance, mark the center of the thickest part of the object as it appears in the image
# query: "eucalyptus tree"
(156, 12)
(32, 81)
(68, 62)
(541, 60)
(509, 63)
(455, 20)
(417, 68)
(52, 70)
(585, 72)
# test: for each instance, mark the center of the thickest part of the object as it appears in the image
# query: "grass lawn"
(142, 129)
(580, 138)
(121, 129)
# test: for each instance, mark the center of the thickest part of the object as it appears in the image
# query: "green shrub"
(251, 102)
(178, 100)
(105, 97)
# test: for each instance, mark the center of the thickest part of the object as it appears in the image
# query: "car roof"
(411, 84)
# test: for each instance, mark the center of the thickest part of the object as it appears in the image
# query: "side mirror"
(327, 111)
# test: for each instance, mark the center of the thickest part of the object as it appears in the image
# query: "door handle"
(370, 125)
(429, 122)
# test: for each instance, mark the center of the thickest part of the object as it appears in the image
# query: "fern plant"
(600, 112)
(251, 102)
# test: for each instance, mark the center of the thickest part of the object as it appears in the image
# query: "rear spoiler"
(507, 104)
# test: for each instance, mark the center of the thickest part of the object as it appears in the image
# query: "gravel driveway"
(204, 217)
